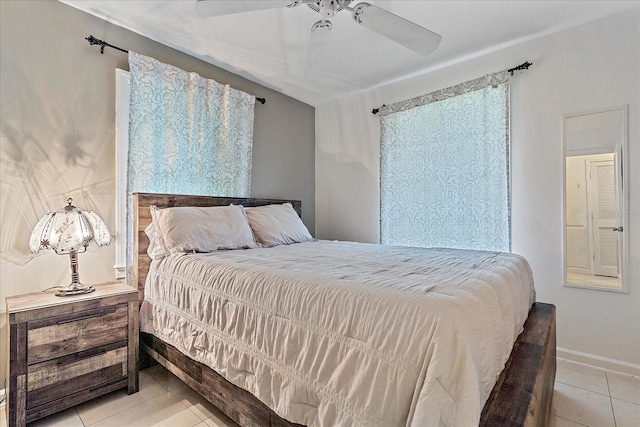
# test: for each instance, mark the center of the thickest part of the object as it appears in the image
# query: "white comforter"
(347, 334)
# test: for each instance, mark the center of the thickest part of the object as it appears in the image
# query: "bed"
(521, 395)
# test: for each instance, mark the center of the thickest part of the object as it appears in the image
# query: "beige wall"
(57, 104)
(586, 68)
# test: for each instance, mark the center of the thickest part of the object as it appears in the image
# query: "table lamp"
(69, 231)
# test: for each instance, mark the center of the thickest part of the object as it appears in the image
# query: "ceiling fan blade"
(228, 7)
(319, 41)
(396, 28)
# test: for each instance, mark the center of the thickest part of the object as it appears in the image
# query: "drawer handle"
(77, 319)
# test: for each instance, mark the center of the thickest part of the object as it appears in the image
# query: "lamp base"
(66, 292)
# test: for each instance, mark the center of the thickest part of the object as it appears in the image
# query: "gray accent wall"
(57, 137)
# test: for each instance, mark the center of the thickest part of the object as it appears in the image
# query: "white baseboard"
(599, 362)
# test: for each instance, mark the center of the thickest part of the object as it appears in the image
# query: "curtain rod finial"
(377, 110)
(520, 67)
(92, 41)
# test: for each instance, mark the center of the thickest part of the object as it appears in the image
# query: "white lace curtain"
(187, 135)
(444, 168)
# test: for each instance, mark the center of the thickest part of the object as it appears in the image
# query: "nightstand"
(66, 350)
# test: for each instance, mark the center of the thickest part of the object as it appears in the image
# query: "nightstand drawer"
(62, 335)
(57, 378)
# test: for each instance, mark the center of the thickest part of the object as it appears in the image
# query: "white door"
(602, 193)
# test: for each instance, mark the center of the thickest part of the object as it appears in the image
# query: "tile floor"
(583, 396)
(586, 396)
(163, 400)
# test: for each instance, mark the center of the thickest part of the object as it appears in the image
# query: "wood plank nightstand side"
(66, 350)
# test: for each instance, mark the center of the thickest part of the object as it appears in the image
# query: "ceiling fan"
(393, 27)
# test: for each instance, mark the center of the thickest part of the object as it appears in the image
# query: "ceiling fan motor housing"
(329, 8)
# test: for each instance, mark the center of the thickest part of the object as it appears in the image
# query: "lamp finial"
(69, 206)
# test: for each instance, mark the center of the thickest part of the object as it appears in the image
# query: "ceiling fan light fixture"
(321, 25)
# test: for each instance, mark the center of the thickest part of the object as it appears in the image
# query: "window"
(444, 168)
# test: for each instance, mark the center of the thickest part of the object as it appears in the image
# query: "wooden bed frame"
(521, 397)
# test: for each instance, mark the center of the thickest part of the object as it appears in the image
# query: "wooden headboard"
(142, 203)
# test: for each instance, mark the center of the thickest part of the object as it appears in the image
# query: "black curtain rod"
(523, 66)
(94, 41)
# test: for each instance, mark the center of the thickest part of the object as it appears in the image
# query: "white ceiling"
(269, 46)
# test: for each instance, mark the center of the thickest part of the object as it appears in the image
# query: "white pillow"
(156, 249)
(277, 225)
(203, 229)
